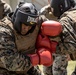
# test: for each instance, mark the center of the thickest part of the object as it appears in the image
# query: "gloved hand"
(43, 57)
(45, 42)
(51, 28)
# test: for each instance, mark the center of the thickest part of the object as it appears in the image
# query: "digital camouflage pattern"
(12, 60)
(7, 9)
(9, 57)
(46, 10)
(67, 45)
(4, 9)
(59, 66)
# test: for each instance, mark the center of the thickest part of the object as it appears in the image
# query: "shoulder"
(7, 8)
(5, 25)
(45, 9)
(68, 16)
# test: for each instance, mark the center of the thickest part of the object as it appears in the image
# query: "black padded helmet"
(60, 6)
(25, 13)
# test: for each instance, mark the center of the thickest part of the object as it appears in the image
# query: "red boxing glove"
(34, 59)
(43, 57)
(51, 28)
(45, 42)
(53, 46)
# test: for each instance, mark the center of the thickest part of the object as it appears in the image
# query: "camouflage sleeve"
(7, 9)
(45, 9)
(67, 45)
(10, 58)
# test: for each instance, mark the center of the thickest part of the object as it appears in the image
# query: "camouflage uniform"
(14, 49)
(68, 37)
(4, 9)
(7, 9)
(67, 45)
(46, 10)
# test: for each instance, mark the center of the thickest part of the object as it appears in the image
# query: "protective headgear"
(25, 13)
(60, 6)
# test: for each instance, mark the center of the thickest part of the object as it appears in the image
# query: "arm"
(45, 47)
(45, 9)
(51, 28)
(15, 61)
(9, 56)
(7, 9)
(69, 36)
(45, 42)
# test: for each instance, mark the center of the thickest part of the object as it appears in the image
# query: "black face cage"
(25, 15)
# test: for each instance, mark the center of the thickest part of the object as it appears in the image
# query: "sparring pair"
(18, 34)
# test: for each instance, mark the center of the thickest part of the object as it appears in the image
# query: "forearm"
(10, 58)
(67, 44)
(16, 62)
